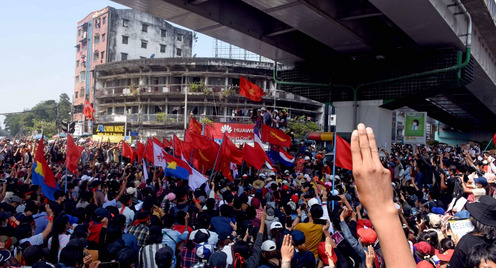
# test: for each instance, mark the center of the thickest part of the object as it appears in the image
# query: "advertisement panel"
(113, 133)
(415, 128)
(237, 132)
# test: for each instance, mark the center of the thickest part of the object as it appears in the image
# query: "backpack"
(457, 188)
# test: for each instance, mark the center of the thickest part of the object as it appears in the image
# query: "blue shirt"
(221, 224)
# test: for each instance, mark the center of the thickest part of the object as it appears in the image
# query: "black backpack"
(457, 188)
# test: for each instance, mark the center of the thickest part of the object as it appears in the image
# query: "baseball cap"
(481, 180)
(446, 256)
(268, 245)
(275, 224)
(298, 237)
(218, 259)
(225, 235)
(369, 236)
(424, 248)
(313, 202)
(204, 250)
(434, 220)
(15, 198)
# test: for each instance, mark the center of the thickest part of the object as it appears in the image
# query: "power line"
(29, 111)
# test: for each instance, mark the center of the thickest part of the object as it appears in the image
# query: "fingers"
(356, 156)
(373, 145)
(364, 142)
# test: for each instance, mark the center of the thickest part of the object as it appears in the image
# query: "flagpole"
(66, 176)
(217, 157)
(174, 144)
(334, 168)
(491, 140)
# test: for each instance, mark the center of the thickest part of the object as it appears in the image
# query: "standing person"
(483, 217)
(140, 228)
(153, 245)
(313, 232)
(171, 237)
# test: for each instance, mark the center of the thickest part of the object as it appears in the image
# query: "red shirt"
(95, 229)
(180, 228)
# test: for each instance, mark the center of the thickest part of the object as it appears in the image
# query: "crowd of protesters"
(397, 210)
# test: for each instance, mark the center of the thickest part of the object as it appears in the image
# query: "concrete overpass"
(364, 56)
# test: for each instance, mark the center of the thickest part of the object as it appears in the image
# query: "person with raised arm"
(373, 183)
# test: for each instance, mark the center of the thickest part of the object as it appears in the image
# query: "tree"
(300, 127)
(48, 128)
(65, 107)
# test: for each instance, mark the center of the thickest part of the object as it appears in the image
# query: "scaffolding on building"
(227, 51)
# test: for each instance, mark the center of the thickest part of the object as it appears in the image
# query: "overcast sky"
(37, 51)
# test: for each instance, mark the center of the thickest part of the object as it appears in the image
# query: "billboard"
(415, 128)
(237, 132)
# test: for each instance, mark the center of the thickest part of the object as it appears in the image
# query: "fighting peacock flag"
(171, 165)
(42, 174)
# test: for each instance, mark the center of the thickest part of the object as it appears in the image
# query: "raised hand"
(373, 181)
(287, 248)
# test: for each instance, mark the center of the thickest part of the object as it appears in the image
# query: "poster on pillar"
(415, 128)
(238, 133)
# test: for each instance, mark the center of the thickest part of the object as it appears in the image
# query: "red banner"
(240, 132)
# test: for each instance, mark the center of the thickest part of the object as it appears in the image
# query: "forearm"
(392, 238)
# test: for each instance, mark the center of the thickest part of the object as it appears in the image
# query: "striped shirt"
(147, 255)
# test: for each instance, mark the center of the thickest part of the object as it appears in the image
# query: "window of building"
(125, 39)
(79, 32)
(97, 39)
(144, 43)
(103, 37)
(82, 74)
(102, 55)
(109, 110)
(144, 28)
(77, 79)
(179, 52)
(141, 57)
(119, 110)
(125, 23)
(179, 37)
(162, 48)
(104, 19)
(95, 55)
(123, 56)
(77, 63)
(163, 32)
(76, 95)
(78, 48)
(97, 23)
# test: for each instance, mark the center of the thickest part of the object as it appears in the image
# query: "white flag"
(145, 172)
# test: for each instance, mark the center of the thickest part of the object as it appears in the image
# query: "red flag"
(140, 150)
(254, 157)
(207, 154)
(72, 155)
(178, 146)
(88, 110)
(166, 143)
(148, 155)
(194, 126)
(275, 136)
(225, 168)
(158, 142)
(230, 153)
(128, 152)
(343, 153)
(250, 90)
(494, 139)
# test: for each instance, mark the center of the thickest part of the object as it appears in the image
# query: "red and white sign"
(241, 132)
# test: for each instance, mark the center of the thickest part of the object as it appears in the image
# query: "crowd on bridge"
(424, 206)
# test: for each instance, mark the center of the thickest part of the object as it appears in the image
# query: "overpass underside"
(337, 48)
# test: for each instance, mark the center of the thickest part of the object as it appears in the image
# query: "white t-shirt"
(34, 240)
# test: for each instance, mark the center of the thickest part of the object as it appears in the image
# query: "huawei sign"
(231, 130)
(226, 128)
